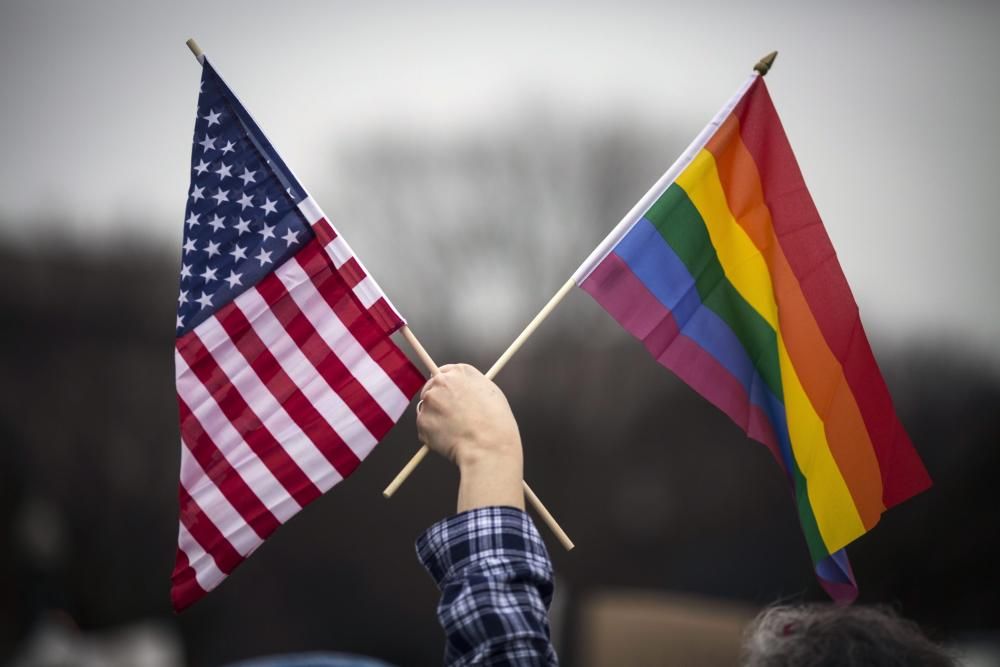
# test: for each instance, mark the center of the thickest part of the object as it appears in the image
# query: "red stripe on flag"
(285, 392)
(337, 375)
(223, 475)
(207, 534)
(387, 318)
(243, 419)
(351, 272)
(185, 590)
(359, 322)
(324, 231)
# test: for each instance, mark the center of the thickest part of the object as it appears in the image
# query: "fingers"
(429, 428)
(460, 369)
(422, 428)
(434, 383)
(449, 373)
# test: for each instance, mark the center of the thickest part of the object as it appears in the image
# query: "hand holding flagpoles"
(415, 460)
(533, 500)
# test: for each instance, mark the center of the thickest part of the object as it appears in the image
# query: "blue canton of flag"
(241, 219)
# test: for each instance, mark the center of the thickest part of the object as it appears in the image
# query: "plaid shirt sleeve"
(496, 586)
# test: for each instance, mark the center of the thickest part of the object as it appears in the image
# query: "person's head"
(824, 635)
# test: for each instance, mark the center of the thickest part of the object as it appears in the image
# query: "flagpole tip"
(764, 66)
(196, 50)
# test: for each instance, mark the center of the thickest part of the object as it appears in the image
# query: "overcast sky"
(890, 107)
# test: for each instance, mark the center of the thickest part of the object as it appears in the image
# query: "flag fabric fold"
(286, 373)
(726, 274)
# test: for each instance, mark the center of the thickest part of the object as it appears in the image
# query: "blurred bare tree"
(480, 230)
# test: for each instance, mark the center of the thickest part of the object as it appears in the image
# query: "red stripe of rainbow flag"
(730, 280)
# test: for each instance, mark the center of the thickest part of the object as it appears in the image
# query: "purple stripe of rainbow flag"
(729, 279)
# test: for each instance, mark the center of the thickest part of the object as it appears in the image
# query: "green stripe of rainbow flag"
(730, 280)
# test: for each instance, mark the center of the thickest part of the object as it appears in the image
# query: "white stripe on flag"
(339, 339)
(231, 445)
(216, 506)
(367, 291)
(327, 402)
(310, 210)
(206, 572)
(265, 406)
(339, 251)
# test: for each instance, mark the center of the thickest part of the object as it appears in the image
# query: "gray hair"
(824, 635)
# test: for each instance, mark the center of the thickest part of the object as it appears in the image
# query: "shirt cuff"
(483, 534)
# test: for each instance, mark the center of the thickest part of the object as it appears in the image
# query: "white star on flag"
(268, 206)
(264, 257)
(208, 143)
(247, 176)
(212, 118)
(221, 196)
(290, 237)
(216, 223)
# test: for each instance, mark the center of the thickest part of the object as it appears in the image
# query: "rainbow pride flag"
(725, 272)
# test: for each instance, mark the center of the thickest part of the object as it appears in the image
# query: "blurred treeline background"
(470, 235)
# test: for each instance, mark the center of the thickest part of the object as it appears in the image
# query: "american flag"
(286, 374)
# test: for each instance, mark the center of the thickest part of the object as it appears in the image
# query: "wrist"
(491, 480)
(473, 459)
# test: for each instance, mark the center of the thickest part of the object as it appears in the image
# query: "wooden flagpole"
(196, 50)
(762, 67)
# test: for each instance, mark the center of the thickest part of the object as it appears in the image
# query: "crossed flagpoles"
(432, 368)
(761, 69)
